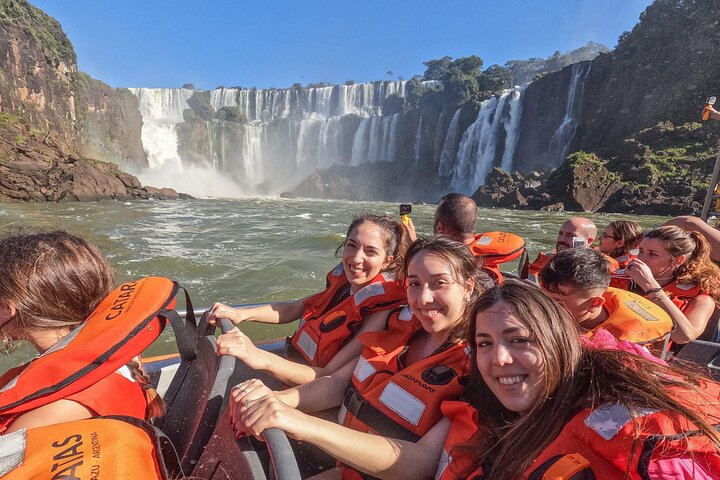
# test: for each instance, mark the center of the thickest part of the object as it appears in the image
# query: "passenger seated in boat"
(620, 240)
(578, 278)
(577, 232)
(395, 388)
(360, 293)
(546, 403)
(49, 285)
(456, 218)
(674, 270)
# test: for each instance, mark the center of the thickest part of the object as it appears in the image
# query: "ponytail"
(698, 269)
(155, 405)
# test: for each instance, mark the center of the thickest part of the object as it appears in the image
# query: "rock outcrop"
(59, 128)
(34, 167)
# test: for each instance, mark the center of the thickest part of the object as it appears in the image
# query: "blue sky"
(275, 43)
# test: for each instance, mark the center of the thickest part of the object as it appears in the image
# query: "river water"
(244, 250)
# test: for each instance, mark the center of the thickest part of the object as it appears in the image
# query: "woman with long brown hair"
(545, 401)
(390, 396)
(360, 293)
(674, 270)
(49, 284)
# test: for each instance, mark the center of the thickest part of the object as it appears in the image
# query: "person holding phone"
(576, 232)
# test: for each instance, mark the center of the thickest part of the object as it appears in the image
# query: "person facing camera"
(579, 278)
(620, 240)
(546, 403)
(576, 232)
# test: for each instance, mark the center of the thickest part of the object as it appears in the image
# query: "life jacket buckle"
(353, 401)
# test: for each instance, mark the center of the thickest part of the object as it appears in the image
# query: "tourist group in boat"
(436, 362)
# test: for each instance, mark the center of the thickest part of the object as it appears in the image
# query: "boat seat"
(195, 398)
(245, 458)
(702, 353)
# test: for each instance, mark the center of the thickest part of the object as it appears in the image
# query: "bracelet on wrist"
(657, 296)
(653, 290)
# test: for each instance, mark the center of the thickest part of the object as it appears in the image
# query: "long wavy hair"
(697, 269)
(576, 377)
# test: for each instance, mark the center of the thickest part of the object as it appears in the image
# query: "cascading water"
(288, 133)
(563, 136)
(477, 152)
(283, 135)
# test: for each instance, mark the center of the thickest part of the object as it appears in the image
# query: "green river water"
(244, 250)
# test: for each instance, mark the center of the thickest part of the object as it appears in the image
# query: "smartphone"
(711, 100)
(405, 208)
(579, 242)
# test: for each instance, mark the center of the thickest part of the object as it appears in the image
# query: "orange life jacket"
(624, 259)
(634, 318)
(124, 324)
(605, 442)
(96, 448)
(544, 257)
(456, 461)
(403, 402)
(327, 325)
(680, 294)
(386, 399)
(496, 248)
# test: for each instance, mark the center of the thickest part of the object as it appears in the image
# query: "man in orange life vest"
(577, 232)
(456, 218)
(579, 279)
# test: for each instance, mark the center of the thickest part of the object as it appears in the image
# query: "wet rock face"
(34, 167)
(54, 120)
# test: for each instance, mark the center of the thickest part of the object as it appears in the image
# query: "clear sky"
(275, 43)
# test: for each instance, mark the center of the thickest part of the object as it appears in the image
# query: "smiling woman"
(546, 400)
(359, 295)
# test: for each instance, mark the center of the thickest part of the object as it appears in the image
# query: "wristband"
(653, 290)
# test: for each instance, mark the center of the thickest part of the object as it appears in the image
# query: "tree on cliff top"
(463, 79)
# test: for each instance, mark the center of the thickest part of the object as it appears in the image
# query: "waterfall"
(161, 110)
(512, 128)
(448, 155)
(286, 134)
(563, 136)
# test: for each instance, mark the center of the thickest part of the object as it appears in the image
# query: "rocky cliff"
(57, 123)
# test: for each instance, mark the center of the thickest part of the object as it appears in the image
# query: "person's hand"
(410, 229)
(252, 412)
(640, 273)
(220, 310)
(239, 345)
(245, 393)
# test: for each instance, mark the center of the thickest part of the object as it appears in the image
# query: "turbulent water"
(246, 250)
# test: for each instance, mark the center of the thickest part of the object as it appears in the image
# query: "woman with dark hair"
(620, 241)
(546, 401)
(392, 426)
(49, 284)
(674, 270)
(360, 293)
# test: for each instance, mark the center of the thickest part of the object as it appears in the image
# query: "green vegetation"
(523, 71)
(43, 29)
(462, 80)
(7, 119)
